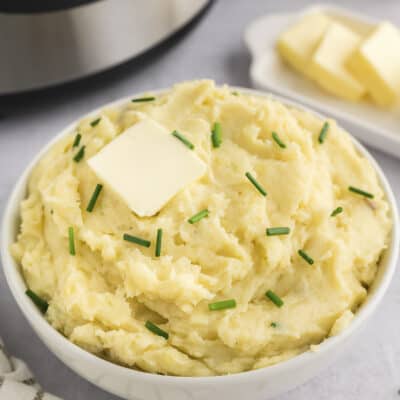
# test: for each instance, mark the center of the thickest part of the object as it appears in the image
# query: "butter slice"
(328, 64)
(376, 63)
(298, 43)
(146, 166)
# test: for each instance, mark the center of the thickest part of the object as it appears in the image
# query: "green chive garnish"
(71, 239)
(40, 303)
(274, 324)
(143, 99)
(156, 330)
(158, 242)
(336, 211)
(137, 240)
(306, 257)
(197, 217)
(282, 230)
(256, 184)
(274, 298)
(183, 140)
(80, 154)
(77, 140)
(361, 192)
(95, 122)
(235, 93)
(278, 140)
(323, 133)
(216, 135)
(94, 197)
(222, 305)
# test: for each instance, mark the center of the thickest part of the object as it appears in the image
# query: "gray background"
(212, 49)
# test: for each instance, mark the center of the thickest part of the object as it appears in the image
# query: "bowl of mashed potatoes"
(200, 241)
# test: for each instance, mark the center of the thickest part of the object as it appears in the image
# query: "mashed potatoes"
(102, 297)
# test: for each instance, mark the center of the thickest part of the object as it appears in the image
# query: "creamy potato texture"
(101, 298)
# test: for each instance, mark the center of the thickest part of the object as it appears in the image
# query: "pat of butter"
(146, 166)
(376, 63)
(298, 43)
(328, 64)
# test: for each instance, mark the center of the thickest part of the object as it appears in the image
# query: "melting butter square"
(146, 166)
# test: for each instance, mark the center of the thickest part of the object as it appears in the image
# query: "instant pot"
(46, 42)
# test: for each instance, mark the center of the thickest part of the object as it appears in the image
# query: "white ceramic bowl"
(263, 383)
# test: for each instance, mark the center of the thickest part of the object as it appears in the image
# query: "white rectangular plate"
(375, 126)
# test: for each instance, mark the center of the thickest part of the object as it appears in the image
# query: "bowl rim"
(16, 282)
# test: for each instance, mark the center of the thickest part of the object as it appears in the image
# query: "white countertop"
(212, 49)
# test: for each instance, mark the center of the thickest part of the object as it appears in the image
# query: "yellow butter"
(376, 63)
(328, 64)
(298, 43)
(146, 166)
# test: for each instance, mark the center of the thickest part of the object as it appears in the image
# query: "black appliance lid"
(38, 6)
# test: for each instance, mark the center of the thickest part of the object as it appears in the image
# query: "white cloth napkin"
(17, 381)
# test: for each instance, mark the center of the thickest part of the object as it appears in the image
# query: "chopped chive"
(197, 217)
(183, 140)
(278, 140)
(274, 324)
(94, 197)
(80, 154)
(143, 99)
(235, 93)
(71, 239)
(156, 330)
(95, 122)
(336, 211)
(274, 298)
(281, 230)
(40, 303)
(77, 140)
(256, 184)
(323, 133)
(306, 257)
(216, 135)
(222, 305)
(361, 192)
(137, 240)
(158, 242)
